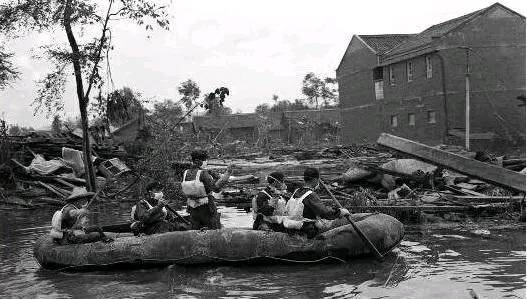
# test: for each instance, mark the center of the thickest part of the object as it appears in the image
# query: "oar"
(378, 255)
(177, 214)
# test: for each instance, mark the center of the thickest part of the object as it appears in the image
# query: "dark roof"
(229, 121)
(384, 42)
(424, 38)
(329, 116)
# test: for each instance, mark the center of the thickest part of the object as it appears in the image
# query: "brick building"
(413, 85)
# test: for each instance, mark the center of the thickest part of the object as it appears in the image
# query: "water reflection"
(439, 264)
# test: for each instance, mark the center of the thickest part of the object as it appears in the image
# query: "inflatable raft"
(227, 245)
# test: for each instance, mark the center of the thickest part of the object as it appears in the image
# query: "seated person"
(150, 216)
(70, 224)
(305, 212)
(269, 202)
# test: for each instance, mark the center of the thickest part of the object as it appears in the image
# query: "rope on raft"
(201, 255)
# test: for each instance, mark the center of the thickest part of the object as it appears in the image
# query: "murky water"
(428, 264)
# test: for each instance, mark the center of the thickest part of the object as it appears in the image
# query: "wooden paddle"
(177, 214)
(365, 239)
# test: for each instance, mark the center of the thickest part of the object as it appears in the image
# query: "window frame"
(431, 120)
(428, 66)
(411, 119)
(391, 75)
(409, 71)
(394, 124)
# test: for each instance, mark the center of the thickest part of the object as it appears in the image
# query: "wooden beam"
(486, 172)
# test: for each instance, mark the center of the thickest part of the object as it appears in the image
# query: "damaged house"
(414, 85)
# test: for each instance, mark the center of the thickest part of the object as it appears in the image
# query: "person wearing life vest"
(269, 204)
(69, 225)
(150, 216)
(197, 185)
(305, 211)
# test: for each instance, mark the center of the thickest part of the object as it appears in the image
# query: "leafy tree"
(329, 92)
(275, 98)
(213, 102)
(167, 112)
(262, 108)
(14, 130)
(190, 92)
(316, 89)
(122, 106)
(85, 56)
(56, 125)
(8, 72)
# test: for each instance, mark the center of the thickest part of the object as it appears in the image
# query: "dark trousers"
(204, 216)
(91, 234)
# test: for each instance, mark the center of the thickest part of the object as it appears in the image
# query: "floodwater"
(427, 264)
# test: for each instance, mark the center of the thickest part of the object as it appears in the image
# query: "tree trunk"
(86, 148)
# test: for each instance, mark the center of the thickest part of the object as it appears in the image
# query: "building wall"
(357, 94)
(354, 75)
(497, 76)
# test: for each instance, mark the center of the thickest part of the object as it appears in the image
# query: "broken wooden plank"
(490, 198)
(423, 208)
(483, 171)
(63, 182)
(51, 189)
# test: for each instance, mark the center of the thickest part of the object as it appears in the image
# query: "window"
(428, 61)
(394, 121)
(431, 117)
(379, 90)
(409, 71)
(391, 75)
(411, 119)
(378, 83)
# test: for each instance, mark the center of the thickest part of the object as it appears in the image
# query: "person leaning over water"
(305, 211)
(150, 216)
(198, 185)
(269, 202)
(70, 224)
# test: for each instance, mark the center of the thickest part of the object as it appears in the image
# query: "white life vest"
(295, 211)
(56, 224)
(194, 190)
(134, 208)
(279, 208)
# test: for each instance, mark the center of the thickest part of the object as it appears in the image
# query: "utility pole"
(467, 101)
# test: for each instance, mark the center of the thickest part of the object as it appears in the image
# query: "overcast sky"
(255, 48)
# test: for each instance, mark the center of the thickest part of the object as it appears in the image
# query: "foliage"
(167, 112)
(213, 102)
(8, 72)
(25, 16)
(56, 125)
(262, 108)
(282, 106)
(16, 130)
(190, 92)
(316, 89)
(122, 106)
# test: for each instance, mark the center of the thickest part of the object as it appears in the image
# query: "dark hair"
(275, 176)
(199, 155)
(311, 174)
(153, 185)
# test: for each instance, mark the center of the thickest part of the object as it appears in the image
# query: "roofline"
(455, 28)
(344, 55)
(369, 47)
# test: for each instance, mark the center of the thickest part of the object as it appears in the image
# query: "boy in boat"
(269, 203)
(70, 224)
(198, 185)
(305, 211)
(150, 216)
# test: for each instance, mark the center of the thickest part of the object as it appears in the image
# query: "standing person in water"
(198, 184)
